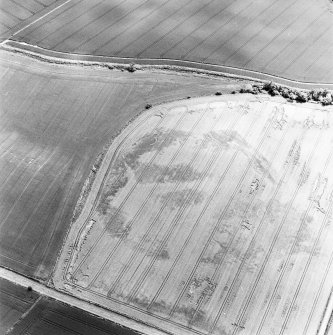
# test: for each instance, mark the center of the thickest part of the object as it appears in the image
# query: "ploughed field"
(288, 38)
(211, 216)
(54, 121)
(51, 317)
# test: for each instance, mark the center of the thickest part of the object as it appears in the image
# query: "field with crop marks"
(211, 216)
(204, 216)
(54, 121)
(291, 39)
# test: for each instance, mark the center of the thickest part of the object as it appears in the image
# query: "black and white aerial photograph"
(166, 167)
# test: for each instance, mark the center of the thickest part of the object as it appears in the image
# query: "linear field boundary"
(160, 64)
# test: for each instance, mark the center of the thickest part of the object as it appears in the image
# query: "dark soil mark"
(216, 258)
(160, 306)
(181, 197)
(225, 140)
(199, 319)
(159, 254)
(188, 312)
(118, 225)
(200, 286)
(110, 192)
(262, 165)
(145, 144)
(150, 142)
(303, 243)
(161, 174)
(141, 302)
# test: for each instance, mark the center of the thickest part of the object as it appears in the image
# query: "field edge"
(172, 65)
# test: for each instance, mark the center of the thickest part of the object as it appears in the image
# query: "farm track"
(163, 64)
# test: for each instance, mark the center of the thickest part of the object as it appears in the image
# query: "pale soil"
(211, 215)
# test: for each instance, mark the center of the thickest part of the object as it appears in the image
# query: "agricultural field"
(291, 39)
(14, 302)
(53, 318)
(54, 121)
(139, 194)
(211, 216)
(14, 14)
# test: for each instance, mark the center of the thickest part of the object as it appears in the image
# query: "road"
(75, 302)
(109, 315)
